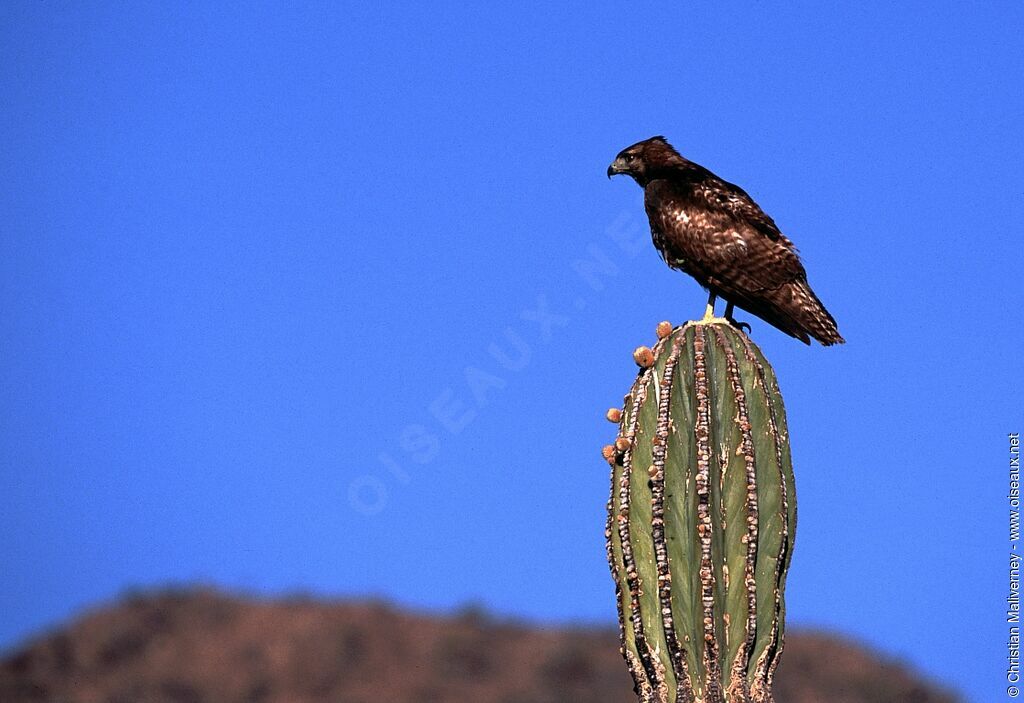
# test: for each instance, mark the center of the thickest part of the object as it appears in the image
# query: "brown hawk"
(712, 230)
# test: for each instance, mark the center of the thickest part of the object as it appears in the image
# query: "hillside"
(207, 647)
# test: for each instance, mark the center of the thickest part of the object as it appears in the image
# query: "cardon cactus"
(701, 518)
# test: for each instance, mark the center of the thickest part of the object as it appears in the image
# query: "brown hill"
(206, 647)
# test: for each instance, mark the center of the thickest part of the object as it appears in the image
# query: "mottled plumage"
(714, 231)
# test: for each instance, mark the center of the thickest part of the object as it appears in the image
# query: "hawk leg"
(709, 312)
(741, 326)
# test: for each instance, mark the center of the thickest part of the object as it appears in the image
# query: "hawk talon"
(733, 321)
(741, 326)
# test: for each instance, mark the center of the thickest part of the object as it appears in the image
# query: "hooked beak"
(618, 166)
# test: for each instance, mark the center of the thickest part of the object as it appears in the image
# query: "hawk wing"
(721, 237)
(714, 231)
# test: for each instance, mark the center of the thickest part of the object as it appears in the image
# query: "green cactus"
(701, 518)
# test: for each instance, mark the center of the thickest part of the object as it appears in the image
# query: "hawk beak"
(618, 166)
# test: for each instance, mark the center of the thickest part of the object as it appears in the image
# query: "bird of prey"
(712, 230)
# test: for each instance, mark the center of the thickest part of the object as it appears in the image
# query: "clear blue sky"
(289, 299)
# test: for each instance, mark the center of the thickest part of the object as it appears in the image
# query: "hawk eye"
(631, 157)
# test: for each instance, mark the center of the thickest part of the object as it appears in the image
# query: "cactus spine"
(701, 518)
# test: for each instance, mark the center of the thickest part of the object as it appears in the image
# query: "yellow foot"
(709, 314)
(709, 311)
(711, 320)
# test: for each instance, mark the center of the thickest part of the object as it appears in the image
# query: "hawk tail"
(808, 314)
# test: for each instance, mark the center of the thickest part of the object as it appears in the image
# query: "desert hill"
(202, 646)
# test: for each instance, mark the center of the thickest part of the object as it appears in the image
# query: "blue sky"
(291, 298)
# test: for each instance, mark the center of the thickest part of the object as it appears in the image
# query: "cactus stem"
(711, 662)
(676, 651)
(699, 536)
(640, 685)
(770, 659)
(738, 686)
(643, 650)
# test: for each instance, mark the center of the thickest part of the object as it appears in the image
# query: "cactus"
(701, 518)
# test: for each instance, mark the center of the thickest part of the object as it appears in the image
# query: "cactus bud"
(644, 357)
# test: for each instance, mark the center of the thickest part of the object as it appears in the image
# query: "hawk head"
(646, 159)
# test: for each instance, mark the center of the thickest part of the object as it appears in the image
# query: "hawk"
(712, 230)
